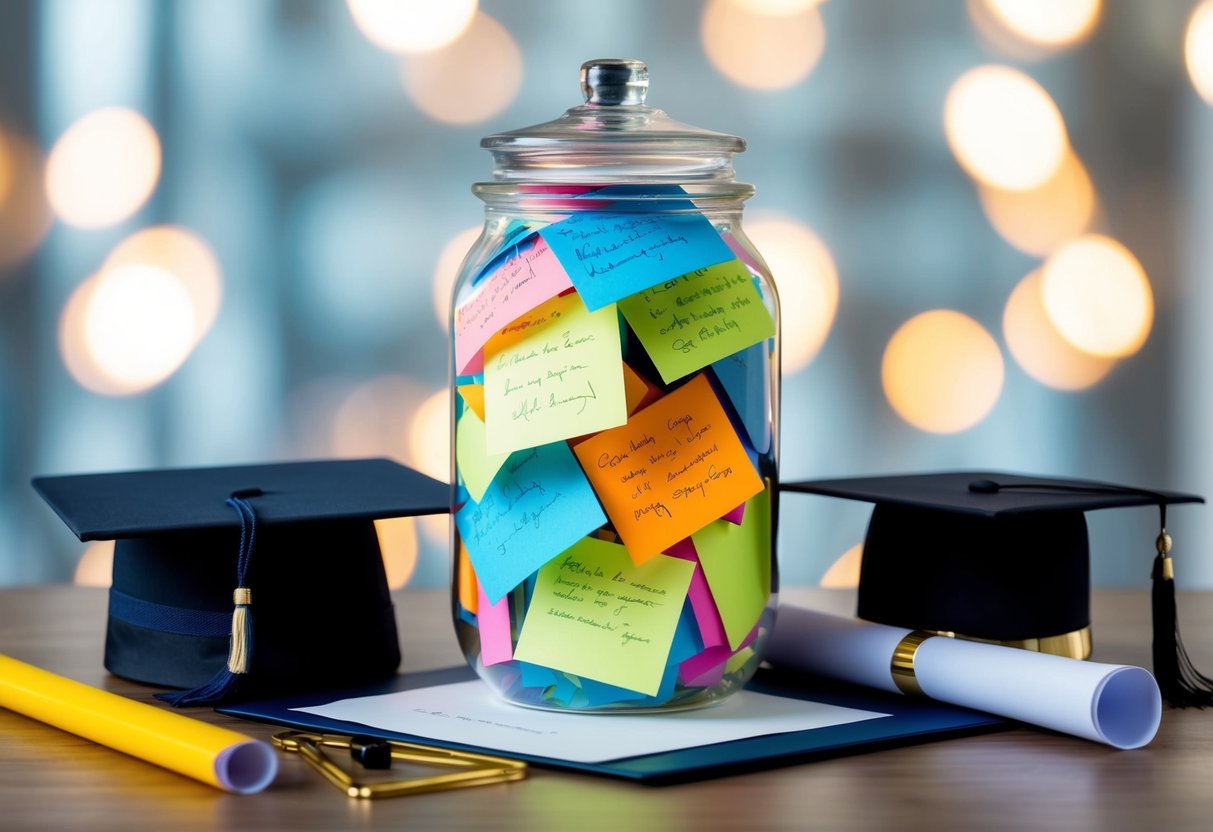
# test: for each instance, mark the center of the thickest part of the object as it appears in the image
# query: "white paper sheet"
(471, 714)
(1115, 704)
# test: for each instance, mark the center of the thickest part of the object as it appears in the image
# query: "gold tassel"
(239, 653)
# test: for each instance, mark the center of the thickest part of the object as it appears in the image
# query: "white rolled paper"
(1115, 704)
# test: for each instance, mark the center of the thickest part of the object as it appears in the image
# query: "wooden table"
(1019, 779)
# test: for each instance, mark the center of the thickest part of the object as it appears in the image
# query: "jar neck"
(642, 197)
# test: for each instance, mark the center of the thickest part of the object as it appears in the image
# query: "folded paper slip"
(247, 579)
(1114, 704)
(216, 756)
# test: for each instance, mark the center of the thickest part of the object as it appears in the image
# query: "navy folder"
(911, 720)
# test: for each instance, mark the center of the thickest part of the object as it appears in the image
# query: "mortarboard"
(1003, 558)
(203, 554)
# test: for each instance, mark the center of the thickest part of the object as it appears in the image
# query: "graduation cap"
(1003, 558)
(198, 550)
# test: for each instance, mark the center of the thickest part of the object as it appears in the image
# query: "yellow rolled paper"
(223, 758)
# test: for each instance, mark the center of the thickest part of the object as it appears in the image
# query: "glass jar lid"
(613, 137)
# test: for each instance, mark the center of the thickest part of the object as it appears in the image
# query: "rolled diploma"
(1115, 704)
(214, 755)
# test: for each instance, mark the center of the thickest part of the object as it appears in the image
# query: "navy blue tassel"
(240, 649)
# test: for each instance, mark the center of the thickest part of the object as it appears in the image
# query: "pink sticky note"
(711, 627)
(494, 623)
(707, 668)
(529, 275)
(736, 515)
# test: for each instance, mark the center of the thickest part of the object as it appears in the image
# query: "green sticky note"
(553, 373)
(697, 318)
(476, 465)
(736, 561)
(596, 614)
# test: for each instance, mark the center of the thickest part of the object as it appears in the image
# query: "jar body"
(615, 447)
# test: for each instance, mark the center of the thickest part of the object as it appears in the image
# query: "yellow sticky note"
(552, 374)
(736, 561)
(476, 465)
(473, 397)
(469, 594)
(597, 615)
(673, 468)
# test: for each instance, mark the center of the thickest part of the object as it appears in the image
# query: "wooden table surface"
(1018, 779)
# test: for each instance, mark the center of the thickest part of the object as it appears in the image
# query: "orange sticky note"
(469, 595)
(673, 468)
(473, 396)
(638, 392)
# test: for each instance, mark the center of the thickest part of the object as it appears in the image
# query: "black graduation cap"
(1002, 557)
(204, 554)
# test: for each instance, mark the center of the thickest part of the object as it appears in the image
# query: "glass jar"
(616, 396)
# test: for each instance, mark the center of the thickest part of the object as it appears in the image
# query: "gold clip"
(469, 769)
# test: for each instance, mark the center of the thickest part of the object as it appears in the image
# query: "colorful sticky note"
(538, 505)
(609, 256)
(637, 390)
(473, 397)
(707, 617)
(737, 563)
(493, 622)
(552, 374)
(675, 467)
(687, 323)
(601, 617)
(738, 514)
(465, 576)
(477, 466)
(746, 379)
(708, 668)
(524, 276)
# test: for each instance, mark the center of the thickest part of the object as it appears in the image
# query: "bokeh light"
(412, 25)
(469, 81)
(942, 372)
(372, 420)
(183, 254)
(447, 270)
(1039, 220)
(125, 330)
(398, 544)
(1051, 23)
(430, 437)
(25, 216)
(1039, 349)
(1198, 49)
(1004, 129)
(103, 168)
(807, 282)
(1098, 297)
(763, 45)
(96, 565)
(844, 572)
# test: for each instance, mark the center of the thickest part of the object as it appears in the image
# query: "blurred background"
(228, 229)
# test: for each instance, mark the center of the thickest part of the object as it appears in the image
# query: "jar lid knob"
(614, 81)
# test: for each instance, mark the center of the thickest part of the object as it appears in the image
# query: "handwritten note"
(675, 467)
(746, 379)
(737, 563)
(477, 466)
(609, 256)
(493, 621)
(687, 323)
(538, 505)
(526, 275)
(597, 615)
(554, 373)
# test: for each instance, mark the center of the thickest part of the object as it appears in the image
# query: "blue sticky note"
(609, 256)
(537, 676)
(538, 505)
(746, 379)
